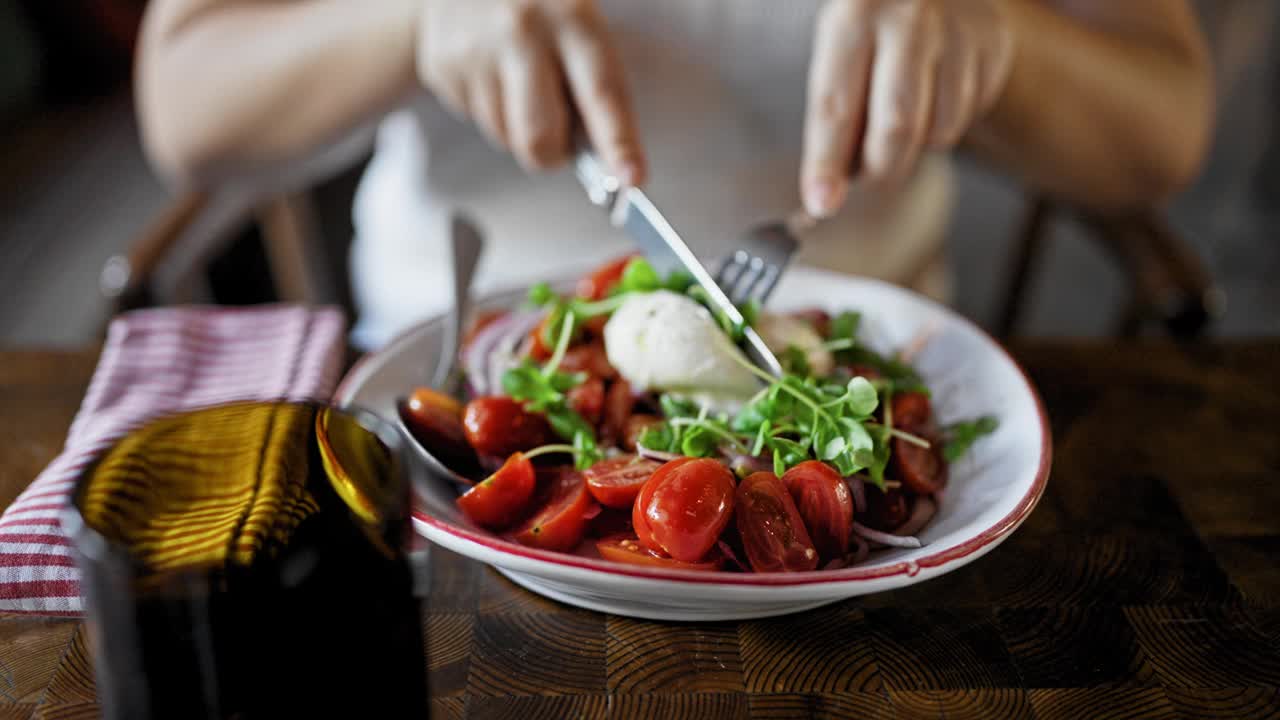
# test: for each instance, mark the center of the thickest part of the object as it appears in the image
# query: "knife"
(630, 209)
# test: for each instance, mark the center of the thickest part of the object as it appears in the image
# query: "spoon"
(467, 244)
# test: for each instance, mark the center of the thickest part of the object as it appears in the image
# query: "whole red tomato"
(825, 505)
(500, 426)
(683, 508)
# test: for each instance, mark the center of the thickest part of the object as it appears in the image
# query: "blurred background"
(80, 209)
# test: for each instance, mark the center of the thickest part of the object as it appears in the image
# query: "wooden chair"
(1169, 287)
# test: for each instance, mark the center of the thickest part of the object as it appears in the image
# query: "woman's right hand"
(522, 69)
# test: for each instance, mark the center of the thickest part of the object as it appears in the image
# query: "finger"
(835, 116)
(485, 105)
(599, 92)
(956, 97)
(536, 108)
(903, 77)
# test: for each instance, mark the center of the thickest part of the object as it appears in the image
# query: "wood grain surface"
(1145, 585)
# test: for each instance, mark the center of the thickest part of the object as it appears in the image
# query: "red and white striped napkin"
(157, 362)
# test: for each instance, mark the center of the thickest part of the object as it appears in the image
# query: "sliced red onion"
(859, 491)
(922, 511)
(739, 462)
(643, 451)
(885, 538)
(727, 550)
(502, 356)
(860, 553)
(475, 359)
(918, 343)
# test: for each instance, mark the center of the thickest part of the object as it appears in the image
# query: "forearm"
(1101, 118)
(225, 87)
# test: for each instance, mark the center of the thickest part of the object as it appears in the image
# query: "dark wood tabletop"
(1146, 584)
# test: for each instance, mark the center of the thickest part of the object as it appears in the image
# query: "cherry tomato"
(588, 399)
(683, 507)
(923, 470)
(885, 510)
(597, 285)
(500, 499)
(911, 411)
(562, 522)
(435, 419)
(589, 358)
(630, 551)
(617, 481)
(825, 505)
(500, 426)
(635, 427)
(773, 533)
(618, 404)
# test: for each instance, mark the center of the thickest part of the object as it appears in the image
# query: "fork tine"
(770, 278)
(731, 271)
(747, 281)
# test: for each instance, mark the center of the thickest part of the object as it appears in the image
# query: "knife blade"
(632, 211)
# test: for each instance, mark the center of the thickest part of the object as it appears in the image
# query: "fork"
(750, 272)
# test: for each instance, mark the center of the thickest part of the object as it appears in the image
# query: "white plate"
(990, 492)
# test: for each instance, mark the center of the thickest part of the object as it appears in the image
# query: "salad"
(625, 422)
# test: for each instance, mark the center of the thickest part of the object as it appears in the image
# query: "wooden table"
(1145, 585)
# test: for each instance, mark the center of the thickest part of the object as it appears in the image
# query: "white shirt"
(718, 89)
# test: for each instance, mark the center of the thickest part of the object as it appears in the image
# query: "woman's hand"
(892, 78)
(521, 70)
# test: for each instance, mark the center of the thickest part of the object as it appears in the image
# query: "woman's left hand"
(892, 78)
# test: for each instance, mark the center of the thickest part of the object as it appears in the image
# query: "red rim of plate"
(910, 568)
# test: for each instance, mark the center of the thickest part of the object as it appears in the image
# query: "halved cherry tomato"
(435, 419)
(618, 404)
(885, 510)
(825, 505)
(630, 551)
(597, 285)
(911, 411)
(589, 358)
(498, 425)
(773, 533)
(635, 427)
(588, 399)
(617, 481)
(562, 522)
(500, 499)
(922, 469)
(683, 507)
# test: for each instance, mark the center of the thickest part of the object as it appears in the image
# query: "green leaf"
(845, 326)
(750, 311)
(678, 281)
(779, 467)
(795, 361)
(962, 435)
(660, 437)
(541, 294)
(698, 442)
(638, 276)
(860, 398)
(676, 407)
